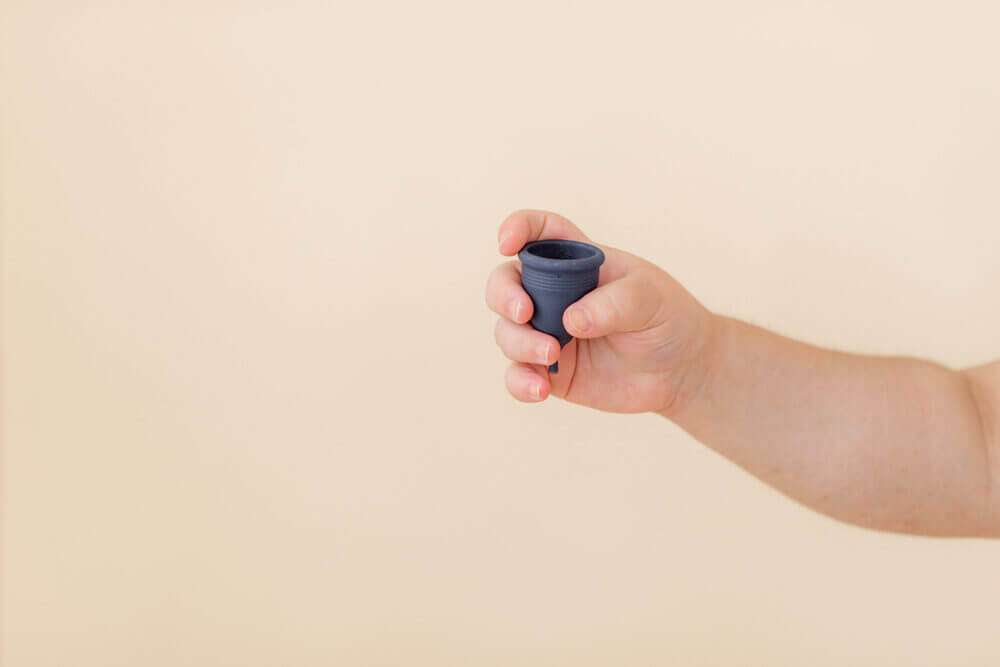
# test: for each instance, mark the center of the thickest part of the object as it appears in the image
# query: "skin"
(887, 443)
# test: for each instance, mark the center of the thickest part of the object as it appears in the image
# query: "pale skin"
(888, 443)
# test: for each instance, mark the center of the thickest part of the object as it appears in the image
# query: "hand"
(641, 341)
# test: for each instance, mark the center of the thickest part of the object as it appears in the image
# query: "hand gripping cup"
(556, 273)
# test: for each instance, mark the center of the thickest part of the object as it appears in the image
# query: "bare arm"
(887, 443)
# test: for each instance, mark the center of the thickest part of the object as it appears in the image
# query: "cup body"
(555, 274)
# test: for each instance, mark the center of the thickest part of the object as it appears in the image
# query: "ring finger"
(519, 342)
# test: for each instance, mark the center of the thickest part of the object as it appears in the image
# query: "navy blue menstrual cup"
(556, 273)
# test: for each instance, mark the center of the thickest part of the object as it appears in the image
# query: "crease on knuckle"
(619, 304)
(647, 291)
(545, 223)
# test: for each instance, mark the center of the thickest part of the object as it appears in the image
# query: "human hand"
(641, 341)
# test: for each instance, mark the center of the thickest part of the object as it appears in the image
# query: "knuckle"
(491, 283)
(498, 332)
(498, 285)
(606, 312)
(487, 292)
(509, 381)
(627, 301)
(510, 270)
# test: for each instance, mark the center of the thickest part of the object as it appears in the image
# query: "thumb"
(632, 303)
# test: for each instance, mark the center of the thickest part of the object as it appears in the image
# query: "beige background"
(253, 414)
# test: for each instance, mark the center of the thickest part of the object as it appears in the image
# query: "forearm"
(887, 443)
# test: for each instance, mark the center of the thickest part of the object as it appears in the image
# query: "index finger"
(523, 226)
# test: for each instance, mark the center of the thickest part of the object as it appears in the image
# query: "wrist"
(693, 384)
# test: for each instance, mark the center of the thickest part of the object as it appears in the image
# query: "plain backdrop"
(252, 409)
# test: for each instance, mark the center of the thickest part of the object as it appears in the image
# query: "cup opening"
(561, 250)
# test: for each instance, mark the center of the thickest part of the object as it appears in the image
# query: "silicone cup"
(556, 273)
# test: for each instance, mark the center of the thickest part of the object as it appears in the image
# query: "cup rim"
(594, 258)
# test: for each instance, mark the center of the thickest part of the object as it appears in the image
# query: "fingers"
(505, 296)
(632, 303)
(527, 383)
(521, 227)
(519, 342)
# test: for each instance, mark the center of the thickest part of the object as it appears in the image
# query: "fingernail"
(544, 350)
(503, 237)
(536, 391)
(516, 311)
(580, 319)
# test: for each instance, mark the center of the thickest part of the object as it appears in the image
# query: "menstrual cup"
(556, 273)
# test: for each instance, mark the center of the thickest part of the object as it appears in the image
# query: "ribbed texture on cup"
(562, 281)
